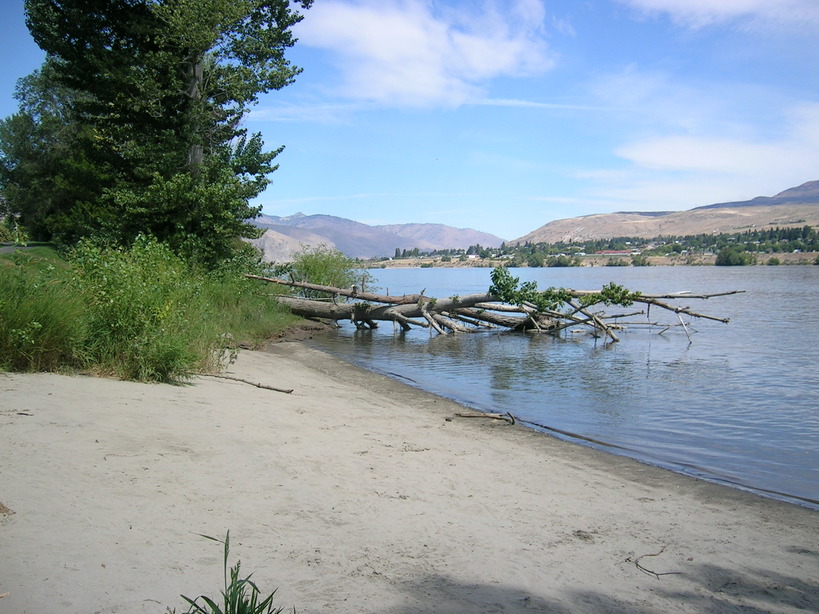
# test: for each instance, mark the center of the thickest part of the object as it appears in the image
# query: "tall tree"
(48, 162)
(163, 85)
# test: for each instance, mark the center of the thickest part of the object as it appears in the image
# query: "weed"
(42, 317)
(137, 313)
(240, 595)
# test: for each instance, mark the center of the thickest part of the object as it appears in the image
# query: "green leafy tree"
(728, 256)
(160, 88)
(48, 162)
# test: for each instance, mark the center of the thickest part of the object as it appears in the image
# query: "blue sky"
(502, 115)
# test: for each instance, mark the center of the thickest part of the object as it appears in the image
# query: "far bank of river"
(588, 261)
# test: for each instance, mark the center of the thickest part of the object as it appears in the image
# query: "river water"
(738, 405)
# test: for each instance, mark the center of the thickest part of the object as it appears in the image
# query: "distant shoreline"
(802, 258)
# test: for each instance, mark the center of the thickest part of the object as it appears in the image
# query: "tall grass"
(139, 313)
(145, 312)
(43, 321)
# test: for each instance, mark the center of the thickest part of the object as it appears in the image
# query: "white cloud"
(682, 143)
(756, 14)
(532, 104)
(692, 153)
(795, 151)
(409, 53)
(683, 171)
(654, 98)
(314, 113)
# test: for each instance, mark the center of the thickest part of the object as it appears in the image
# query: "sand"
(356, 493)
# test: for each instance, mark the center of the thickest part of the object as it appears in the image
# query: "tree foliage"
(48, 163)
(731, 256)
(138, 111)
(508, 289)
(326, 266)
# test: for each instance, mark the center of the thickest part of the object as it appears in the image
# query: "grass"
(239, 596)
(139, 313)
(43, 320)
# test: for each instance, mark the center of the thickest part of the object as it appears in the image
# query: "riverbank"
(358, 493)
(591, 260)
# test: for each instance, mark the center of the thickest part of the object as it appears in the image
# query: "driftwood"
(474, 312)
(507, 417)
(245, 381)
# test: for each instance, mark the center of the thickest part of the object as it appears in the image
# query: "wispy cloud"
(533, 104)
(416, 53)
(794, 152)
(682, 171)
(329, 113)
(755, 14)
(680, 143)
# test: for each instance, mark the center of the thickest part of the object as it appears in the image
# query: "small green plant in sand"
(240, 595)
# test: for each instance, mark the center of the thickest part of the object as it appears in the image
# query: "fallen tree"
(507, 305)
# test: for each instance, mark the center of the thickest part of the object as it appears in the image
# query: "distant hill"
(797, 206)
(278, 247)
(440, 236)
(284, 236)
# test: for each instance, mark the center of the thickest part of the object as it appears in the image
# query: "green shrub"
(145, 311)
(773, 261)
(5, 232)
(10, 230)
(562, 261)
(328, 267)
(729, 256)
(43, 323)
(139, 313)
(616, 262)
(242, 308)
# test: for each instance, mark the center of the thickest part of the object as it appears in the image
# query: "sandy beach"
(355, 493)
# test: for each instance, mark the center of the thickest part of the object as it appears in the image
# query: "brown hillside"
(760, 213)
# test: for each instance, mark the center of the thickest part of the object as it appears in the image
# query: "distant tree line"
(730, 248)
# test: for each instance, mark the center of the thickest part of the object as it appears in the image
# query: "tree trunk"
(195, 75)
(459, 314)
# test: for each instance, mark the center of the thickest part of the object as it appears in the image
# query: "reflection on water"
(739, 405)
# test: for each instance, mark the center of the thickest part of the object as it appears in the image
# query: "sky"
(503, 115)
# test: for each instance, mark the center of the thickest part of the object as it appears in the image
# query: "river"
(738, 405)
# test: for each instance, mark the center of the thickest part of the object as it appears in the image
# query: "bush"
(43, 319)
(242, 307)
(773, 261)
(5, 233)
(140, 313)
(562, 261)
(328, 267)
(146, 312)
(729, 256)
(616, 262)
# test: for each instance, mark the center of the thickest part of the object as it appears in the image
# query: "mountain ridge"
(356, 239)
(286, 236)
(797, 206)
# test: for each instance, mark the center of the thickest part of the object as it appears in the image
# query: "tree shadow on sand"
(703, 588)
